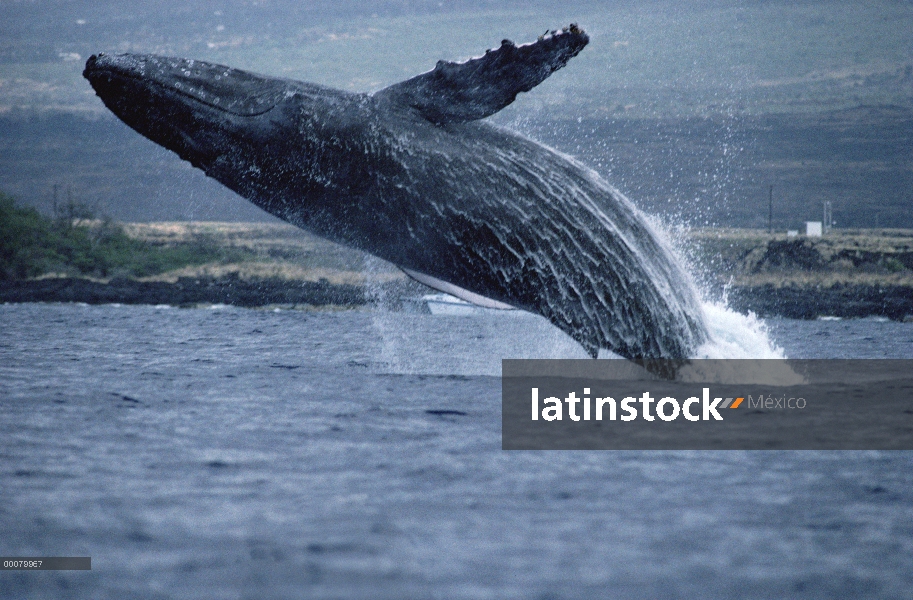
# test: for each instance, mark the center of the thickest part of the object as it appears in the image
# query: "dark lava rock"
(790, 255)
(841, 300)
(796, 302)
(187, 290)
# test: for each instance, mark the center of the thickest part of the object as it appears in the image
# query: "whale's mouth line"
(111, 73)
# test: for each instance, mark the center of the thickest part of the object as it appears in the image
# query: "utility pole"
(828, 216)
(770, 211)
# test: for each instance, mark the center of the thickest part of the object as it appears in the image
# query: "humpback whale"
(414, 175)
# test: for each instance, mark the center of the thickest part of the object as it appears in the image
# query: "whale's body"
(410, 174)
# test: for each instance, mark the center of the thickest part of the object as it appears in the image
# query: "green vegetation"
(746, 257)
(73, 243)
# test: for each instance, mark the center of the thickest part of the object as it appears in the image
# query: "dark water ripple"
(248, 454)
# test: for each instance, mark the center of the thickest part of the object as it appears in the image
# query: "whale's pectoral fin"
(479, 87)
(449, 288)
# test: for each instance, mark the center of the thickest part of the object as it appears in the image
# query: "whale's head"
(239, 127)
(191, 107)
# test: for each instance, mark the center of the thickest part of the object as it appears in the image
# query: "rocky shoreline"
(186, 291)
(848, 274)
(791, 301)
(840, 300)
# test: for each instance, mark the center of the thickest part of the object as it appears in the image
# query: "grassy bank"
(73, 243)
(752, 258)
(847, 273)
(277, 251)
(738, 257)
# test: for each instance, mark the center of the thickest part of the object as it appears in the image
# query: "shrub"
(32, 244)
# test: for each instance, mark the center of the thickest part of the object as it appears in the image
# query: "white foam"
(734, 335)
(737, 336)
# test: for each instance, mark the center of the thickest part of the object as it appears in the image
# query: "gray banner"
(710, 405)
(45, 563)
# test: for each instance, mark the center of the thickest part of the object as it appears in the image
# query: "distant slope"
(695, 171)
(691, 108)
(105, 164)
(646, 58)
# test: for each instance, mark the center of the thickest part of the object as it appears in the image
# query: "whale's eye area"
(237, 92)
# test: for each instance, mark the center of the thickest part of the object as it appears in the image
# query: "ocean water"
(232, 453)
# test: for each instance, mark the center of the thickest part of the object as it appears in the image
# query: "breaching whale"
(412, 175)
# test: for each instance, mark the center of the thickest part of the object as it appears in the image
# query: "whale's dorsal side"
(459, 92)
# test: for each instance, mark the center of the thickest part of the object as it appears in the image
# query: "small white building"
(813, 228)
(791, 233)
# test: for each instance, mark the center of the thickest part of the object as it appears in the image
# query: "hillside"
(692, 109)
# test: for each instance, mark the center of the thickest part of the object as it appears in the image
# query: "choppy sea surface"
(233, 453)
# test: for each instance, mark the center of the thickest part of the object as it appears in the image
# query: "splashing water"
(478, 342)
(734, 335)
(641, 248)
(731, 335)
(392, 354)
(737, 336)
